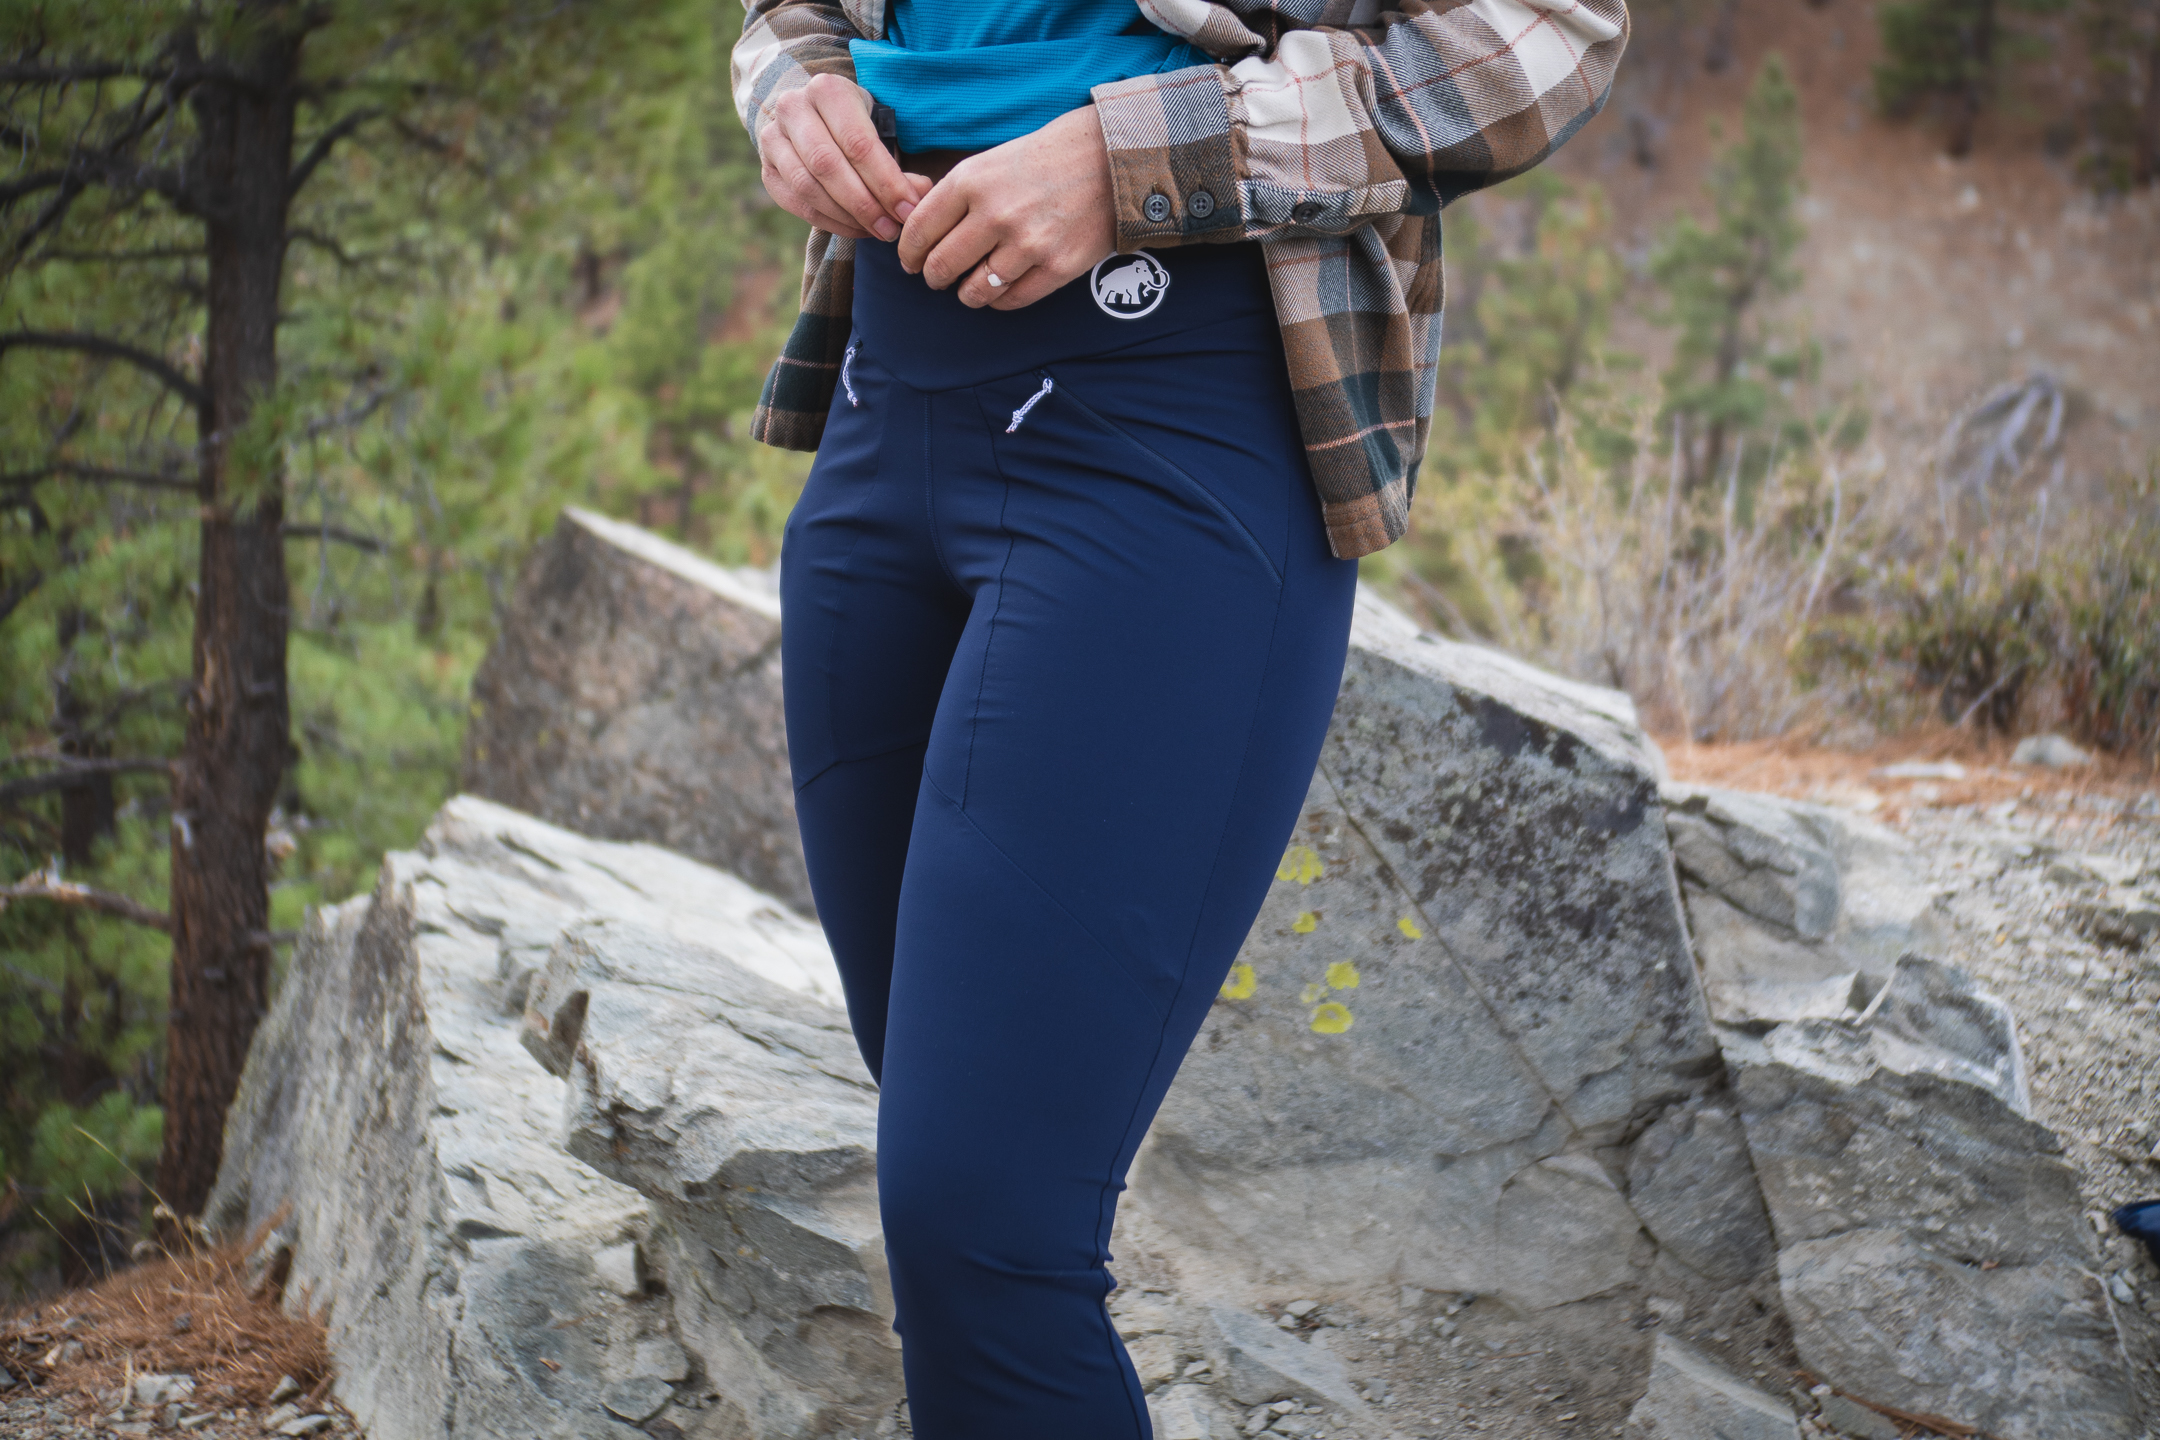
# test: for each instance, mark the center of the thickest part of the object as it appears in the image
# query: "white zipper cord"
(1022, 413)
(847, 360)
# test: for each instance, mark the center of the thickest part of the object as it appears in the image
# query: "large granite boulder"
(634, 694)
(1797, 910)
(407, 1157)
(1933, 1252)
(744, 1112)
(1466, 1033)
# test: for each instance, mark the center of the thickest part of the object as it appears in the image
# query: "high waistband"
(928, 340)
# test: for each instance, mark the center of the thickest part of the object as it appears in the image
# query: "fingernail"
(904, 209)
(886, 230)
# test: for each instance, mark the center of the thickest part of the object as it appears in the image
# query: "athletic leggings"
(1062, 636)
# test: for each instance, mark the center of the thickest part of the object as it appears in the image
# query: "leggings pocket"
(1162, 469)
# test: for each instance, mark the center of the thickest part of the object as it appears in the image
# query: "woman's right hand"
(821, 161)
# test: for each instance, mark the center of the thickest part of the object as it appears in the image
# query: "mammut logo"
(1129, 286)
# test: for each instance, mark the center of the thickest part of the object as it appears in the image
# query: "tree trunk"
(2145, 161)
(239, 727)
(1972, 94)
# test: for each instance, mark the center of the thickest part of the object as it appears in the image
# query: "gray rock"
(663, 1358)
(1189, 1412)
(1757, 855)
(638, 1399)
(1857, 1421)
(1932, 1250)
(2022, 1351)
(2123, 918)
(151, 1391)
(1691, 1397)
(2051, 751)
(1798, 911)
(408, 1155)
(744, 1111)
(1468, 988)
(1255, 1363)
(1154, 1359)
(1691, 1181)
(634, 694)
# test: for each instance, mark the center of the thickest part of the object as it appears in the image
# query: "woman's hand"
(822, 161)
(1035, 212)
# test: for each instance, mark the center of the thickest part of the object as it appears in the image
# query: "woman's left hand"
(1035, 212)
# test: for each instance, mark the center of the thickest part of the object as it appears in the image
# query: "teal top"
(966, 75)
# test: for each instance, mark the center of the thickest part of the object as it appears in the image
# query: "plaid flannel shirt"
(1338, 129)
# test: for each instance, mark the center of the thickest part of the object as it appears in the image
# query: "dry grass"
(1793, 765)
(193, 1313)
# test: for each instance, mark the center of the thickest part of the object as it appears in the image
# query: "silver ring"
(994, 281)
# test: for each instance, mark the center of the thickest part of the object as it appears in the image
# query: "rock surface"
(1933, 1254)
(1691, 1398)
(477, 1278)
(743, 1111)
(1468, 992)
(1798, 911)
(1255, 1363)
(634, 694)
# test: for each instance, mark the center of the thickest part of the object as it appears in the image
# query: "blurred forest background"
(1813, 391)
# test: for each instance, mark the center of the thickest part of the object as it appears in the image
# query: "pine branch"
(99, 474)
(324, 143)
(338, 533)
(111, 349)
(32, 73)
(121, 257)
(328, 244)
(47, 886)
(72, 769)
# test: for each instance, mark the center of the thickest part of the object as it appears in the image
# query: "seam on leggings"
(1105, 1207)
(982, 678)
(1022, 871)
(1191, 482)
(800, 785)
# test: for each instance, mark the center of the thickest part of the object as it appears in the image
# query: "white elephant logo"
(1129, 286)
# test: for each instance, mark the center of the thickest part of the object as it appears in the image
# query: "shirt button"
(1157, 208)
(1307, 211)
(1200, 205)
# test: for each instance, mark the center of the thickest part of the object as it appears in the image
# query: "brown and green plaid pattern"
(1332, 138)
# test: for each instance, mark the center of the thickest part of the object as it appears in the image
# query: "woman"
(1112, 373)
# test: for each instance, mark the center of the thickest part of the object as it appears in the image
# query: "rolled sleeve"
(1173, 158)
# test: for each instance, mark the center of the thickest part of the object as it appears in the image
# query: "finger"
(797, 191)
(942, 207)
(833, 170)
(1038, 282)
(920, 185)
(1007, 264)
(846, 115)
(962, 249)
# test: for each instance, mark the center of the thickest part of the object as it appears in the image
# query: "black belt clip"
(887, 122)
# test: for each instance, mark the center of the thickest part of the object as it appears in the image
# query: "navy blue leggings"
(1062, 639)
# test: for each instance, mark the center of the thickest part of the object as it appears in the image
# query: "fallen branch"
(46, 886)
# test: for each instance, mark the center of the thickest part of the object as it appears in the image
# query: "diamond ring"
(994, 281)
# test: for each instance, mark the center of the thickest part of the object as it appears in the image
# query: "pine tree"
(1729, 359)
(1953, 51)
(214, 239)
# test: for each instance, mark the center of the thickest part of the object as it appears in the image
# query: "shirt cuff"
(1173, 159)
